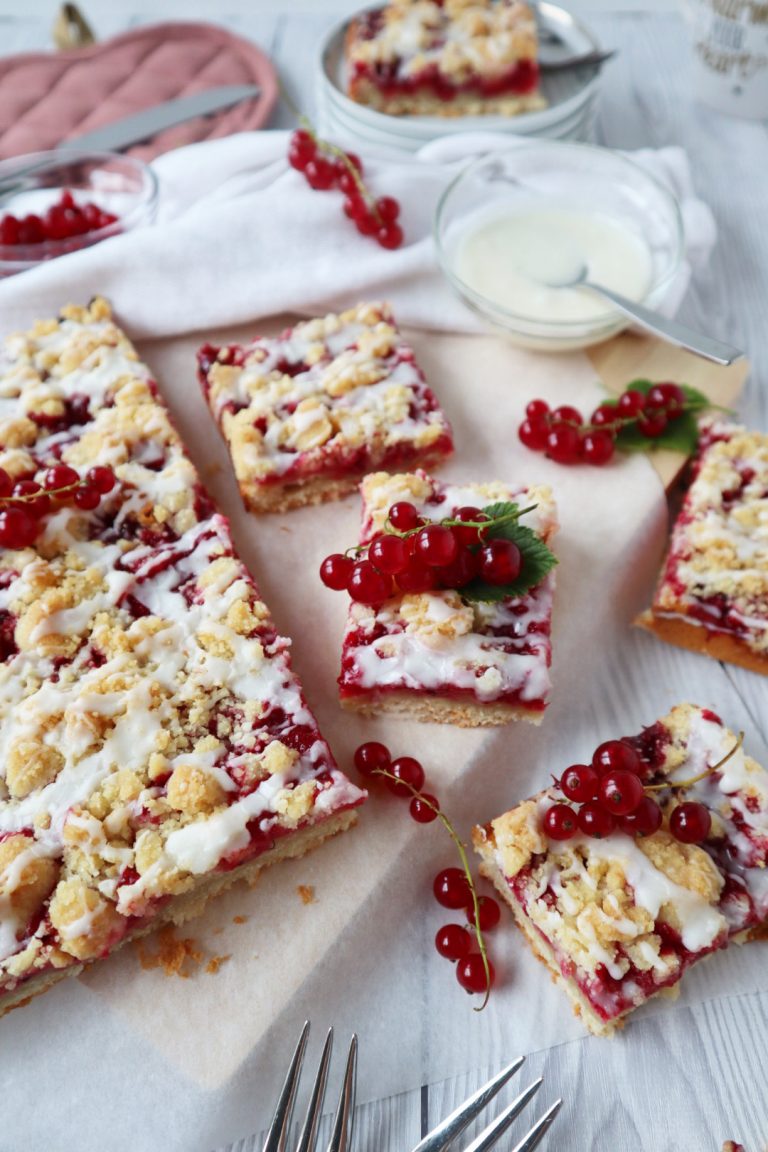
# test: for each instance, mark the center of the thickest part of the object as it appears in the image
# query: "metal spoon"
(670, 330)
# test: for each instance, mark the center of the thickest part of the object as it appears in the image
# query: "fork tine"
(309, 1131)
(344, 1121)
(498, 1127)
(529, 1142)
(278, 1129)
(441, 1136)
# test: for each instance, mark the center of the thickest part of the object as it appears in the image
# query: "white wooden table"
(700, 1075)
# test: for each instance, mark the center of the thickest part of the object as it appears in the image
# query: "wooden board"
(630, 357)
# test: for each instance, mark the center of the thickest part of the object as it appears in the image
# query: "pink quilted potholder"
(48, 97)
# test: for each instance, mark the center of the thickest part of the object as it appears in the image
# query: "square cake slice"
(155, 745)
(306, 414)
(713, 593)
(619, 920)
(445, 58)
(432, 655)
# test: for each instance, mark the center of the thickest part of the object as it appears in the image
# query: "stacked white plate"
(571, 97)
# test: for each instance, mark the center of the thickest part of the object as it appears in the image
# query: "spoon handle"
(670, 330)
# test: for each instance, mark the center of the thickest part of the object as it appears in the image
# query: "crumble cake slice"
(155, 744)
(430, 655)
(712, 596)
(306, 414)
(449, 58)
(619, 920)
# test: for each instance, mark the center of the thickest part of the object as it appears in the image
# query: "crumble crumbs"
(215, 963)
(239, 919)
(177, 957)
(307, 893)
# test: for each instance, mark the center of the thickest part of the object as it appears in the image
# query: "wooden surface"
(686, 1079)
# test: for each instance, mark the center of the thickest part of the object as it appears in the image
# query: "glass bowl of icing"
(517, 224)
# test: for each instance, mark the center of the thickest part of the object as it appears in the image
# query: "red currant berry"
(653, 422)
(597, 447)
(566, 414)
(371, 757)
(580, 783)
(410, 771)
(500, 562)
(424, 808)
(366, 223)
(6, 483)
(31, 230)
(18, 529)
(471, 974)
(417, 578)
(60, 476)
(645, 820)
(336, 570)
(388, 209)
(620, 792)
(347, 184)
(36, 507)
(453, 942)
(605, 418)
(537, 410)
(352, 207)
(690, 823)
(614, 755)
(102, 479)
(403, 516)
(436, 546)
(631, 402)
(355, 161)
(389, 554)
(463, 571)
(563, 444)
(668, 396)
(86, 497)
(560, 822)
(390, 235)
(533, 433)
(9, 230)
(367, 585)
(451, 888)
(320, 173)
(594, 820)
(489, 913)
(468, 537)
(301, 149)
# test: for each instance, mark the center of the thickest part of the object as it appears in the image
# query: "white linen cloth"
(240, 235)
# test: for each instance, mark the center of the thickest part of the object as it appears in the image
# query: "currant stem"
(340, 154)
(702, 775)
(465, 865)
(482, 525)
(625, 421)
(30, 497)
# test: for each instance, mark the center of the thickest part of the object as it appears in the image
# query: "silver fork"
(435, 1141)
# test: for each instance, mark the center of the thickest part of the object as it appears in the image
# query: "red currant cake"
(308, 413)
(155, 744)
(636, 865)
(445, 58)
(713, 592)
(427, 653)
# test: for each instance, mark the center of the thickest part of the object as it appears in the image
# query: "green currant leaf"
(681, 433)
(537, 558)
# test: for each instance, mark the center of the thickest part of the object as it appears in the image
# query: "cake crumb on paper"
(239, 919)
(177, 957)
(215, 963)
(307, 893)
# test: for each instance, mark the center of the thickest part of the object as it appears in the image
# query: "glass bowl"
(32, 184)
(572, 181)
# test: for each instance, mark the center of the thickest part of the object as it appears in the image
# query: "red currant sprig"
(325, 166)
(413, 555)
(611, 796)
(567, 439)
(453, 888)
(25, 503)
(63, 220)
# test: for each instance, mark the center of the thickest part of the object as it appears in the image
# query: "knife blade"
(143, 125)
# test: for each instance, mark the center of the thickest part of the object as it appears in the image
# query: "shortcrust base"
(436, 710)
(698, 638)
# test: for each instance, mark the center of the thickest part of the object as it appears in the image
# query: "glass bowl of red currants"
(54, 203)
(518, 231)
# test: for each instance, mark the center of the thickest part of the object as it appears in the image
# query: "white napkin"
(239, 235)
